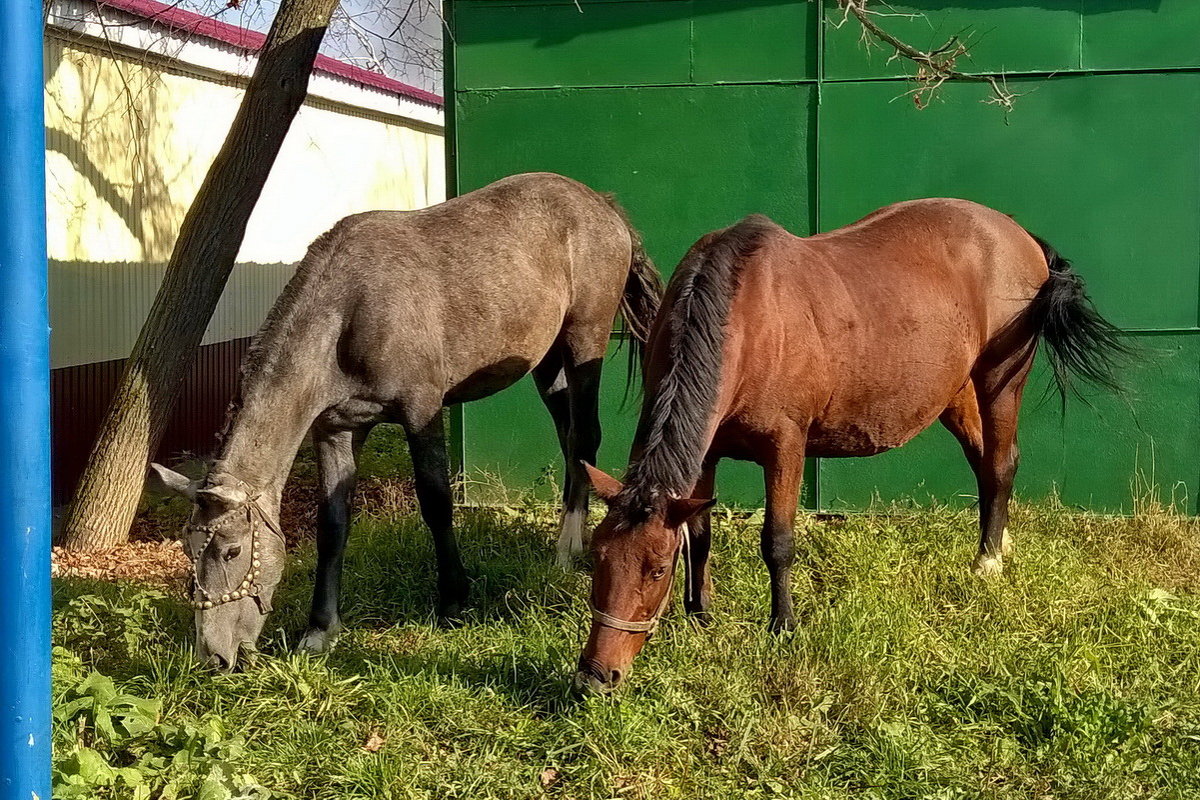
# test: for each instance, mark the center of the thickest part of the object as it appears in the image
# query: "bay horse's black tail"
(1080, 341)
(641, 298)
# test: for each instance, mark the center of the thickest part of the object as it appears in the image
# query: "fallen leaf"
(549, 777)
(374, 742)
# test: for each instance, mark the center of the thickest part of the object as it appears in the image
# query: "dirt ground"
(155, 557)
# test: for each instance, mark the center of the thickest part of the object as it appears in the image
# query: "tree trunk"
(209, 239)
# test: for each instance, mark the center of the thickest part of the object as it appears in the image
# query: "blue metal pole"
(24, 413)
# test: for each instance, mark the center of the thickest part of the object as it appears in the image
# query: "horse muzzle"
(594, 679)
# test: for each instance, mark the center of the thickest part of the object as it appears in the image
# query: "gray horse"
(390, 317)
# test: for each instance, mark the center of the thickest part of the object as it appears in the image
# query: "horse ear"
(607, 487)
(168, 481)
(681, 510)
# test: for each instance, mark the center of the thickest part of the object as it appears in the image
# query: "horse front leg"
(698, 591)
(337, 466)
(783, 475)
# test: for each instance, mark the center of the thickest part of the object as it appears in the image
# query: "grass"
(1075, 675)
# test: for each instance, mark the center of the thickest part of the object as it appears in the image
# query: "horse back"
(869, 331)
(470, 294)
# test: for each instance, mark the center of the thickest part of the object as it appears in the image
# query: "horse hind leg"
(581, 355)
(988, 435)
(999, 469)
(583, 388)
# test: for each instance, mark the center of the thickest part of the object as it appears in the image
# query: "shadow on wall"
(115, 198)
(561, 22)
(109, 116)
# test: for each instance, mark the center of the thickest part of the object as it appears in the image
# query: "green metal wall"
(697, 112)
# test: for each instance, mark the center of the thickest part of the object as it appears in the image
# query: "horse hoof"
(451, 611)
(1007, 545)
(316, 642)
(783, 625)
(987, 565)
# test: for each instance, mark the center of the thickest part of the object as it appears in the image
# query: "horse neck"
(674, 434)
(285, 385)
(686, 363)
(261, 442)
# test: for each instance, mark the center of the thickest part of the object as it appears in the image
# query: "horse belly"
(515, 350)
(872, 423)
(859, 438)
(490, 379)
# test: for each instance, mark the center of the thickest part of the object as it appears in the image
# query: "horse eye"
(233, 552)
(658, 573)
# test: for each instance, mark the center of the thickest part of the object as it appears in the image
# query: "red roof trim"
(189, 22)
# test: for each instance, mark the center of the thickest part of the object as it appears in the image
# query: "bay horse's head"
(237, 553)
(635, 550)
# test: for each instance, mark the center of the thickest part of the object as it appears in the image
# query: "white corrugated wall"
(130, 136)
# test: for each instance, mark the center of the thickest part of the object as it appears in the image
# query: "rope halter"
(256, 518)
(648, 626)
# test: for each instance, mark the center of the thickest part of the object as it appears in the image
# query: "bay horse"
(390, 317)
(772, 347)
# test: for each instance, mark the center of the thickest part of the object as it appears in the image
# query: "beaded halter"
(256, 518)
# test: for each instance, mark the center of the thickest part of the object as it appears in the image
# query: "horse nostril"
(217, 661)
(590, 668)
(615, 677)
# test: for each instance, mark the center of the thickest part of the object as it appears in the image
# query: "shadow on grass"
(518, 636)
(390, 574)
(117, 626)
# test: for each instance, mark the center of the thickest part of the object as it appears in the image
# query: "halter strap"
(648, 626)
(624, 625)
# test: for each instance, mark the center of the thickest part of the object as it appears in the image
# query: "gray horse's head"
(237, 554)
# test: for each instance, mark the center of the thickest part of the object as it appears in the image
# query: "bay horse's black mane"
(676, 414)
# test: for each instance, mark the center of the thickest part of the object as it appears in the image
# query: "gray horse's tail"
(640, 300)
(1081, 343)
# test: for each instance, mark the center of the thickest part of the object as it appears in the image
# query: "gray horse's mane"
(266, 345)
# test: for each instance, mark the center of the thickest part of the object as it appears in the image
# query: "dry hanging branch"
(934, 67)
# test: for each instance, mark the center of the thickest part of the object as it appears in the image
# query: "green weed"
(1075, 675)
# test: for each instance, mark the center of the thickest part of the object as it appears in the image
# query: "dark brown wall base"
(79, 397)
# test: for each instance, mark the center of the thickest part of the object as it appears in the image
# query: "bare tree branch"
(934, 67)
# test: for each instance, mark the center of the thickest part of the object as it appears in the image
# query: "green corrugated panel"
(634, 43)
(749, 40)
(1102, 457)
(560, 45)
(1104, 167)
(1003, 36)
(683, 161)
(1141, 34)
